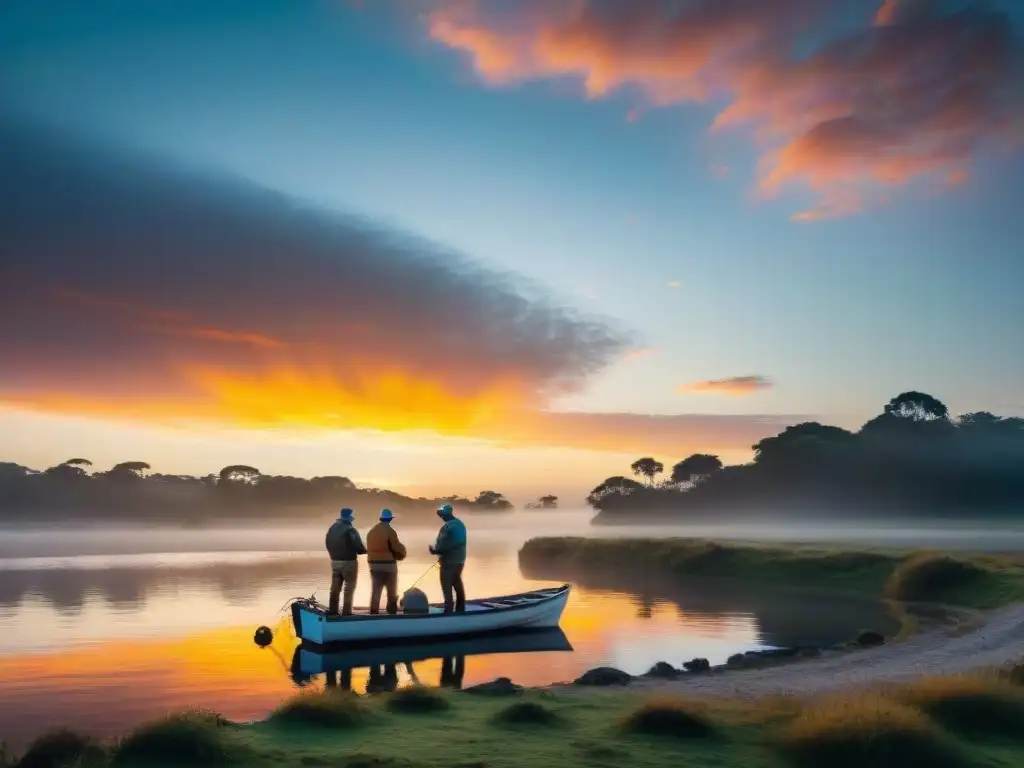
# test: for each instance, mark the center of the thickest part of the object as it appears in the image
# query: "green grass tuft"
(60, 748)
(970, 706)
(867, 730)
(527, 713)
(194, 738)
(669, 718)
(334, 709)
(417, 699)
(932, 578)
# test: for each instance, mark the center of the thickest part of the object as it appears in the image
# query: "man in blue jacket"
(450, 548)
(344, 545)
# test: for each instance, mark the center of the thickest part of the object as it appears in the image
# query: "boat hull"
(530, 610)
(308, 661)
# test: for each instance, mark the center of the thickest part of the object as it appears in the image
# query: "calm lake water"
(101, 629)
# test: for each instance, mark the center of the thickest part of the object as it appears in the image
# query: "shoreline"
(797, 712)
(994, 640)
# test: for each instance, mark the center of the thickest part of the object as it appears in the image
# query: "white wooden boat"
(529, 610)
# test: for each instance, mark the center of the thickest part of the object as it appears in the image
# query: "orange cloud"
(256, 313)
(739, 386)
(916, 91)
(636, 354)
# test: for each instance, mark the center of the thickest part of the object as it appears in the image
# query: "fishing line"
(432, 567)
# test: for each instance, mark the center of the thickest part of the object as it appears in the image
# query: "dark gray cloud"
(121, 273)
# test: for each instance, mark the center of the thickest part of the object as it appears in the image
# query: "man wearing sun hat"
(450, 549)
(384, 551)
(344, 545)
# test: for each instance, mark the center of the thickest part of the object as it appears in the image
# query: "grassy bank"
(974, 581)
(952, 722)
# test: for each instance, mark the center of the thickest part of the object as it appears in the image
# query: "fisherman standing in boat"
(344, 545)
(450, 549)
(384, 550)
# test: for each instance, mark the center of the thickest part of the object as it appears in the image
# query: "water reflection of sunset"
(106, 686)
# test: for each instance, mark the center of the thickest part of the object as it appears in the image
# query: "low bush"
(332, 709)
(195, 738)
(931, 578)
(866, 730)
(60, 748)
(417, 699)
(527, 713)
(971, 706)
(669, 718)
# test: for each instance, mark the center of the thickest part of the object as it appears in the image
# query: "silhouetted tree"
(548, 502)
(647, 467)
(78, 463)
(239, 473)
(916, 406)
(612, 486)
(696, 467)
(127, 471)
(492, 500)
(911, 456)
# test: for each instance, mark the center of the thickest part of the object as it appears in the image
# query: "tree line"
(131, 491)
(914, 457)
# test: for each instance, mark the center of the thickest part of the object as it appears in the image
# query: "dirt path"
(997, 640)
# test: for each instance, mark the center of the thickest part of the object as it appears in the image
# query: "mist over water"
(506, 529)
(103, 626)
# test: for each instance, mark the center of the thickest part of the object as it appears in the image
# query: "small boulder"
(697, 665)
(500, 686)
(604, 676)
(663, 670)
(869, 638)
(736, 661)
(810, 651)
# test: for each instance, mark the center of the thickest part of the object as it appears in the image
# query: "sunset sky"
(443, 245)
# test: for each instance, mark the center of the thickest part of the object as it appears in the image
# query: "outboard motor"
(415, 601)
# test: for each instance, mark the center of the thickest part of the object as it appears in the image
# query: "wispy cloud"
(915, 91)
(739, 386)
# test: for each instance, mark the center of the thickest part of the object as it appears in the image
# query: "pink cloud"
(914, 92)
(738, 386)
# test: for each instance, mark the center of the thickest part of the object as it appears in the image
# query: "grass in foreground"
(926, 725)
(331, 709)
(975, 581)
(867, 731)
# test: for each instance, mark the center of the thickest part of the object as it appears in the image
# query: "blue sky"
(361, 111)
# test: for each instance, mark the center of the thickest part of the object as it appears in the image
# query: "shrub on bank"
(931, 578)
(334, 709)
(58, 748)
(196, 738)
(669, 718)
(417, 699)
(864, 730)
(971, 706)
(526, 713)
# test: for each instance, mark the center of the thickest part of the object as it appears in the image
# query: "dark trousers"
(343, 577)
(451, 581)
(384, 578)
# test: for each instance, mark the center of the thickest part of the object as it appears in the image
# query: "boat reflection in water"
(383, 661)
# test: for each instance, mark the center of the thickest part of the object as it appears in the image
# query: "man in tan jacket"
(383, 551)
